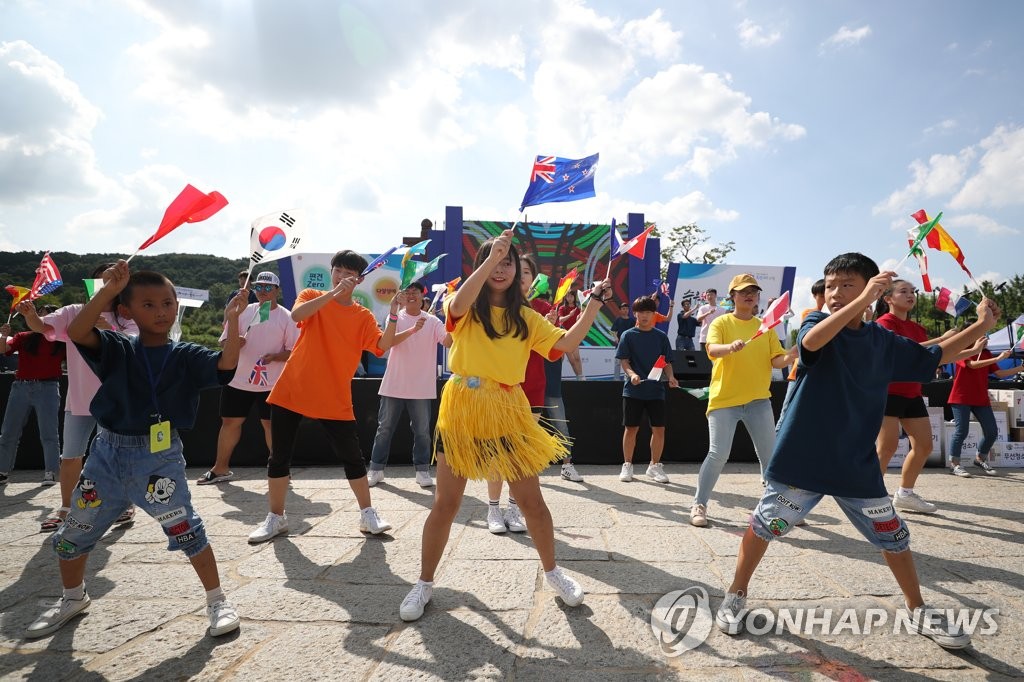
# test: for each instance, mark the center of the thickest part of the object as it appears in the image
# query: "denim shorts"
(782, 506)
(77, 429)
(120, 471)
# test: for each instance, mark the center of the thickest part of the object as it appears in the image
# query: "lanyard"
(149, 372)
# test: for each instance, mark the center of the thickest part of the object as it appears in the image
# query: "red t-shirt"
(913, 331)
(534, 383)
(573, 313)
(970, 386)
(43, 364)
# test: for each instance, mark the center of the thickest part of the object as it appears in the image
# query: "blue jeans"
(121, 471)
(962, 417)
(790, 386)
(782, 507)
(77, 429)
(26, 396)
(387, 420)
(554, 411)
(760, 422)
(684, 343)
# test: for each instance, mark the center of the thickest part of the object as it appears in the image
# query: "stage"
(594, 409)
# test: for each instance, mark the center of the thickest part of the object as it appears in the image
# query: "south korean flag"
(276, 235)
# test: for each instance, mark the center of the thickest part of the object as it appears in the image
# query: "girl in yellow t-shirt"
(484, 427)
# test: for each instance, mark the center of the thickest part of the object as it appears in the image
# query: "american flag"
(47, 277)
(259, 375)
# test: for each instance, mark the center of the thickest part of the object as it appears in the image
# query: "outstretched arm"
(578, 331)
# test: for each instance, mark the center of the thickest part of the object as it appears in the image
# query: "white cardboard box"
(935, 419)
(1007, 455)
(970, 449)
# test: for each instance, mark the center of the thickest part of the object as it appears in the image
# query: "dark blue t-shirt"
(687, 325)
(621, 324)
(553, 378)
(124, 402)
(826, 441)
(642, 350)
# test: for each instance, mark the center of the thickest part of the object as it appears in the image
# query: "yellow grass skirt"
(486, 431)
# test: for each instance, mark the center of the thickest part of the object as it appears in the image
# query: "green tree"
(690, 244)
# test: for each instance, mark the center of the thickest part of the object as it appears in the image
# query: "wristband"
(392, 318)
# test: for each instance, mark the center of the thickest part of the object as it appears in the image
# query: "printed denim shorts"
(120, 471)
(782, 507)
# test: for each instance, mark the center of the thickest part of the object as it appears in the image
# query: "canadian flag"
(657, 370)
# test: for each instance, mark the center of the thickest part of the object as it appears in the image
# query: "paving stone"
(298, 558)
(312, 601)
(653, 578)
(315, 651)
(44, 665)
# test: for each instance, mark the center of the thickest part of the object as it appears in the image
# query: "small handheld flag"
(19, 294)
(657, 370)
(540, 285)
(275, 236)
(563, 286)
(922, 259)
(92, 286)
(951, 304)
(418, 249)
(774, 315)
(699, 393)
(378, 262)
(190, 206)
(47, 277)
(937, 238)
(637, 246)
(414, 270)
(556, 179)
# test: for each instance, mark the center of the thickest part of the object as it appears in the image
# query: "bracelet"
(392, 318)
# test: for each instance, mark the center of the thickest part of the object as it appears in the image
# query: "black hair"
(243, 273)
(420, 286)
(712, 291)
(818, 288)
(881, 307)
(349, 260)
(645, 304)
(514, 299)
(31, 345)
(145, 278)
(97, 273)
(852, 263)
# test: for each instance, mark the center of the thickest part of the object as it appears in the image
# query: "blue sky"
(796, 130)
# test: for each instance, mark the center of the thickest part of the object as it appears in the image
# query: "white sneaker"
(371, 522)
(495, 520)
(374, 476)
(626, 475)
(958, 470)
(729, 618)
(54, 618)
(223, 618)
(566, 588)
(657, 472)
(569, 473)
(49, 479)
(699, 516)
(272, 526)
(514, 519)
(418, 597)
(423, 479)
(912, 502)
(932, 623)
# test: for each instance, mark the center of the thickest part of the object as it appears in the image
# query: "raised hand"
(500, 247)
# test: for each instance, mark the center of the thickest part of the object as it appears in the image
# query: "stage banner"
(313, 271)
(693, 279)
(558, 248)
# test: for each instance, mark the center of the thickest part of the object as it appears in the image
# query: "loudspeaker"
(691, 364)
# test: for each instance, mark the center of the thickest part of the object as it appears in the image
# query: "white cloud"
(982, 224)
(941, 127)
(753, 35)
(652, 36)
(846, 37)
(939, 176)
(1000, 178)
(45, 146)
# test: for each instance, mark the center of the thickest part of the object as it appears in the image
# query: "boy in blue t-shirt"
(638, 350)
(826, 444)
(150, 388)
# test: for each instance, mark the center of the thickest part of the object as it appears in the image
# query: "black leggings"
(284, 426)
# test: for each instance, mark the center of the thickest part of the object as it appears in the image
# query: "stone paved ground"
(323, 602)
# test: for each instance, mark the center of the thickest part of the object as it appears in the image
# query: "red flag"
(18, 293)
(657, 370)
(773, 316)
(637, 246)
(191, 206)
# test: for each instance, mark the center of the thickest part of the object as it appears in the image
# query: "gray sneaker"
(729, 618)
(958, 470)
(985, 466)
(53, 619)
(912, 502)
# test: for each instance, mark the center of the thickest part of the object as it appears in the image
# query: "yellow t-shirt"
(503, 359)
(317, 379)
(739, 378)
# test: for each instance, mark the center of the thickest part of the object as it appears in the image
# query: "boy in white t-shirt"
(708, 313)
(266, 345)
(410, 383)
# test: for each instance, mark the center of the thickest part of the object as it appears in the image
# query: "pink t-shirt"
(276, 334)
(82, 382)
(412, 365)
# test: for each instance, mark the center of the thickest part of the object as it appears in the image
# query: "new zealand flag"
(556, 179)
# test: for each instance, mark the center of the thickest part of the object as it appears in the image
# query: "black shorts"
(633, 411)
(905, 408)
(237, 403)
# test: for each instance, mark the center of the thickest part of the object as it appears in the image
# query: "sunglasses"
(264, 287)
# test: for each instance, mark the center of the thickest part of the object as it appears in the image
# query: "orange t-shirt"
(792, 370)
(317, 379)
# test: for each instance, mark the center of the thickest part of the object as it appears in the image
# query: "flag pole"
(129, 259)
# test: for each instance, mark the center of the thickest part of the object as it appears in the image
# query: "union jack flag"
(544, 168)
(259, 375)
(47, 277)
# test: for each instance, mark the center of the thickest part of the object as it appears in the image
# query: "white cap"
(268, 277)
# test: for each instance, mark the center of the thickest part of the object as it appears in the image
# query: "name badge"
(160, 436)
